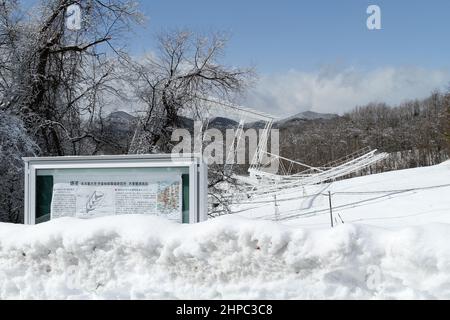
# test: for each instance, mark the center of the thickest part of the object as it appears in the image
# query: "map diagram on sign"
(94, 201)
(168, 202)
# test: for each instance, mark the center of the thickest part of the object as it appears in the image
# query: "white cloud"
(337, 91)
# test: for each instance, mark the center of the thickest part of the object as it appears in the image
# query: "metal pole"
(276, 208)
(331, 209)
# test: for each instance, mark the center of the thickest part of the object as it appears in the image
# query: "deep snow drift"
(143, 257)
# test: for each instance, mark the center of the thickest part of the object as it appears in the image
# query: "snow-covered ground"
(147, 257)
(397, 246)
(382, 200)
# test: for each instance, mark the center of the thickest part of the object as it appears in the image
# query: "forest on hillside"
(414, 133)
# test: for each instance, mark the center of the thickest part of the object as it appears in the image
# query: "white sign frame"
(198, 176)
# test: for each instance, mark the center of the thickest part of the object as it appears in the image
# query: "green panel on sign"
(44, 193)
(185, 207)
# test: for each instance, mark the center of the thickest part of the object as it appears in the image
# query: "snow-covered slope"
(394, 199)
(394, 244)
(144, 257)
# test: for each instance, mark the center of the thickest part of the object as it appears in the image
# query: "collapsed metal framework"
(244, 114)
(268, 183)
(262, 182)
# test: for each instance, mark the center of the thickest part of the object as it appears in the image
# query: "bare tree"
(186, 70)
(178, 81)
(446, 120)
(56, 78)
(54, 82)
(14, 144)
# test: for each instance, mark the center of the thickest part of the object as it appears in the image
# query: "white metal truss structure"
(291, 174)
(266, 183)
(261, 182)
(244, 115)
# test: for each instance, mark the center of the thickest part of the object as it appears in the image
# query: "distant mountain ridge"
(123, 118)
(307, 116)
(120, 116)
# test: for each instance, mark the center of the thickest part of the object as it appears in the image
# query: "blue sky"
(278, 36)
(318, 54)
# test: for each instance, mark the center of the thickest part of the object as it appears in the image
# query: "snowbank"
(141, 257)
